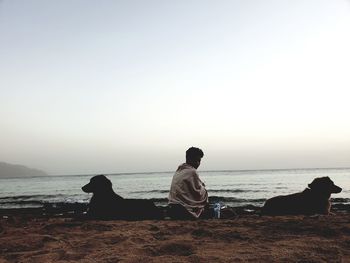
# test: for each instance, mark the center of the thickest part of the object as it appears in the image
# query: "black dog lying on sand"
(313, 200)
(106, 204)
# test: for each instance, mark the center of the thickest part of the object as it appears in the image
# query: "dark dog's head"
(98, 184)
(325, 185)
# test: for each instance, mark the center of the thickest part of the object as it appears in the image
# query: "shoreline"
(73, 210)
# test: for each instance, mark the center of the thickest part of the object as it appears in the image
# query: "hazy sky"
(124, 86)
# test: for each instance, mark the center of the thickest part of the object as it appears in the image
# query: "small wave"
(213, 199)
(340, 200)
(209, 190)
(232, 191)
(151, 191)
(235, 200)
(27, 197)
(23, 202)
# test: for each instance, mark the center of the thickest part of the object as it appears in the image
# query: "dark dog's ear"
(107, 182)
(101, 181)
(318, 183)
(313, 185)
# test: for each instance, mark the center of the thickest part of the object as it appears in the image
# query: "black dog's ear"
(101, 181)
(312, 185)
(109, 182)
(315, 184)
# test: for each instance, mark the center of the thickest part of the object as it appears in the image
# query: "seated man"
(188, 198)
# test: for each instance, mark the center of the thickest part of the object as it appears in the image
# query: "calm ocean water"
(235, 188)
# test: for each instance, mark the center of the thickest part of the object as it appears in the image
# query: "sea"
(233, 188)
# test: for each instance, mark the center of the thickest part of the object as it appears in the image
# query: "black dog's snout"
(337, 189)
(86, 188)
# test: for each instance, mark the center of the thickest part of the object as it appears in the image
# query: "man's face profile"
(196, 163)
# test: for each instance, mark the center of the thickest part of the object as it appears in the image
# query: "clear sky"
(125, 86)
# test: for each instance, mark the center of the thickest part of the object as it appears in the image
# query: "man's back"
(188, 190)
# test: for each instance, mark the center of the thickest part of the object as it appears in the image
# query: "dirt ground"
(248, 238)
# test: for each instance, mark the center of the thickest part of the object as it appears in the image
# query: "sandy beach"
(247, 238)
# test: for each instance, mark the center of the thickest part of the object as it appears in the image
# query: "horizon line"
(202, 171)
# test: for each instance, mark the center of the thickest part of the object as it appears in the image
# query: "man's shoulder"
(186, 173)
(186, 168)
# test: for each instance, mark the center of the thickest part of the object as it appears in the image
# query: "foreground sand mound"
(246, 238)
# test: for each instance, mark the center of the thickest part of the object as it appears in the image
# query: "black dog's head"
(98, 184)
(325, 185)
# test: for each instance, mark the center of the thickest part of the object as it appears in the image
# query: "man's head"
(194, 156)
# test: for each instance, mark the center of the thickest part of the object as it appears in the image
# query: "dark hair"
(193, 154)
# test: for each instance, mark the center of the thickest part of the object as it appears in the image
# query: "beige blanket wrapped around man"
(188, 190)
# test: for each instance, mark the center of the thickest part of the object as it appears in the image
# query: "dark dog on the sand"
(313, 200)
(106, 204)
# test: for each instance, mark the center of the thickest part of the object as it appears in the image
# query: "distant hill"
(13, 170)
